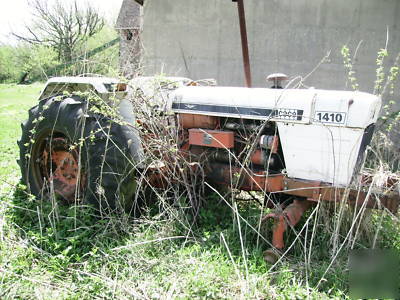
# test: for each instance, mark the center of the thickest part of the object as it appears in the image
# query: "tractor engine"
(233, 151)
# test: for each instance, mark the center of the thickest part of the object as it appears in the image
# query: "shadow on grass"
(68, 232)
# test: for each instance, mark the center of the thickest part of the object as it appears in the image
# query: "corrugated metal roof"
(129, 15)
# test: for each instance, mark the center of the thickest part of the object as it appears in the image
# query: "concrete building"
(200, 39)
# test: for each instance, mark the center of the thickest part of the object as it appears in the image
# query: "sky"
(15, 13)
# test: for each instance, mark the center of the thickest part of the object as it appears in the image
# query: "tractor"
(297, 146)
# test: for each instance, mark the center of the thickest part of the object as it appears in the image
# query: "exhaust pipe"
(245, 45)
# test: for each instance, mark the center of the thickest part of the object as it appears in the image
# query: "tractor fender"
(130, 131)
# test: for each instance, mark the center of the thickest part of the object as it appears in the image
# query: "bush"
(26, 63)
(8, 72)
(34, 62)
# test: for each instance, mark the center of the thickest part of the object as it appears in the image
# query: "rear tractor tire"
(77, 156)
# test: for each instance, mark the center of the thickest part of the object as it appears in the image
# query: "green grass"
(58, 252)
(14, 104)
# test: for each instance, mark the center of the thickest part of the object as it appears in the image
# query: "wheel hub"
(60, 166)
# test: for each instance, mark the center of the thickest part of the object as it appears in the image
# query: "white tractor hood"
(355, 109)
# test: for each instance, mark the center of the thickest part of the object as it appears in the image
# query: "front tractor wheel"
(78, 156)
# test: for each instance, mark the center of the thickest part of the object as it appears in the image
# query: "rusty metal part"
(249, 180)
(278, 229)
(259, 157)
(60, 165)
(197, 121)
(245, 44)
(262, 158)
(291, 215)
(315, 191)
(157, 178)
(121, 87)
(389, 182)
(244, 179)
(158, 175)
(212, 138)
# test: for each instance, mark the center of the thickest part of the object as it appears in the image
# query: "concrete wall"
(200, 38)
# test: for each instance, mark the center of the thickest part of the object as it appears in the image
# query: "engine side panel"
(320, 153)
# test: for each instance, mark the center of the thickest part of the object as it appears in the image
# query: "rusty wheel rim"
(56, 165)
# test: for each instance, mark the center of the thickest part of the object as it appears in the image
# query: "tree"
(63, 26)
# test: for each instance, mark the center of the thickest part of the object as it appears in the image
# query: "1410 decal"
(330, 117)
